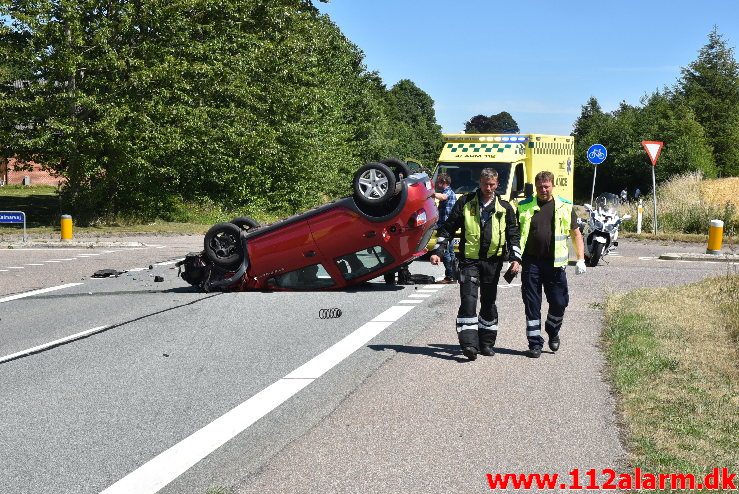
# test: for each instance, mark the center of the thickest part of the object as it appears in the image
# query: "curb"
(723, 257)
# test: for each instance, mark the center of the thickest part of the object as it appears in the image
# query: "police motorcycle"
(600, 231)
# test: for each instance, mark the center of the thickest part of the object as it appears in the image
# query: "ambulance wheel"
(223, 245)
(400, 168)
(374, 184)
(597, 252)
(245, 223)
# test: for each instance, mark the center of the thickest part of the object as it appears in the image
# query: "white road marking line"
(416, 301)
(133, 270)
(88, 255)
(67, 259)
(37, 292)
(15, 267)
(53, 260)
(34, 264)
(50, 344)
(434, 287)
(510, 285)
(426, 291)
(155, 474)
(646, 258)
(167, 263)
(5, 270)
(419, 295)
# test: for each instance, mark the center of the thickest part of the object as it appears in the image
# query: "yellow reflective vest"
(561, 227)
(472, 229)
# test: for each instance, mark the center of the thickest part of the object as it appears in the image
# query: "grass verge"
(673, 361)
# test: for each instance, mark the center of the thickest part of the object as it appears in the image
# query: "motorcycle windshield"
(607, 204)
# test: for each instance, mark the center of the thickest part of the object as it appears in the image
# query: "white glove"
(580, 267)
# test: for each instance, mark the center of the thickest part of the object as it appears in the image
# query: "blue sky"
(538, 60)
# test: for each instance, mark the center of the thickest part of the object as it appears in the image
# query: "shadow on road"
(438, 350)
(443, 351)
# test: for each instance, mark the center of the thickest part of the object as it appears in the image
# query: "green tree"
(500, 123)
(710, 86)
(413, 118)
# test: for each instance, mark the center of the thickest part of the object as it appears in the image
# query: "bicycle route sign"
(597, 154)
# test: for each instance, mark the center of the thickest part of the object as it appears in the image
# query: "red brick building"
(36, 176)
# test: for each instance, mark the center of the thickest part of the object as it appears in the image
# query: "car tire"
(389, 278)
(222, 245)
(400, 168)
(246, 223)
(374, 184)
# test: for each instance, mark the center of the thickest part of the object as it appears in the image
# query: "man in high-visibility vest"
(489, 237)
(546, 221)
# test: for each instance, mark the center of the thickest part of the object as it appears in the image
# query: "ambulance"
(516, 157)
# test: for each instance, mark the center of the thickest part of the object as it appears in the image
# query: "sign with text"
(12, 217)
(653, 148)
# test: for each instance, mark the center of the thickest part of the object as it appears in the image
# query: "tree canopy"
(698, 120)
(500, 123)
(145, 105)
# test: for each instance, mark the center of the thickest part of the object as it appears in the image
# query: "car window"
(363, 262)
(309, 277)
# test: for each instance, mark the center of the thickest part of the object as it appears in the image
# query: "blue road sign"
(597, 154)
(12, 217)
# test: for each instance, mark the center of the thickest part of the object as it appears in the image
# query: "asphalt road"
(376, 400)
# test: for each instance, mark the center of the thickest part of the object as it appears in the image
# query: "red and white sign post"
(653, 149)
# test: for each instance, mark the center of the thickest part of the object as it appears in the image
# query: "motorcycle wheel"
(596, 254)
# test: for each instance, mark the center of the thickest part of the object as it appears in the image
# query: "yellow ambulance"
(516, 157)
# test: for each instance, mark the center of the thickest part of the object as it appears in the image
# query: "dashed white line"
(37, 292)
(419, 295)
(411, 301)
(15, 267)
(51, 344)
(34, 264)
(167, 263)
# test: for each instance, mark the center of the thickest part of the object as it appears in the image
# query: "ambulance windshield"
(466, 176)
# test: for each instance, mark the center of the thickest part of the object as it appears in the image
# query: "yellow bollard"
(66, 227)
(715, 237)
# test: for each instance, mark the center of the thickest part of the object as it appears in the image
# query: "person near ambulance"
(489, 237)
(545, 222)
(447, 198)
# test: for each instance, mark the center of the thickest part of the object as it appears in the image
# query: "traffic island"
(723, 257)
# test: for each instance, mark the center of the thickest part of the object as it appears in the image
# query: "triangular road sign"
(653, 148)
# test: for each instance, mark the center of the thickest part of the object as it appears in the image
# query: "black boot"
(469, 342)
(487, 341)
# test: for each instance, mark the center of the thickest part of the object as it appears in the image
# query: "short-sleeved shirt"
(540, 242)
(445, 207)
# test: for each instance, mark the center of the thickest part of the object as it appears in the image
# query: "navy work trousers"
(478, 276)
(536, 274)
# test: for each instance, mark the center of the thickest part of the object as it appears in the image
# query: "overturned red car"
(383, 226)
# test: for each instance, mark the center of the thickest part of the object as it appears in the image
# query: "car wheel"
(223, 245)
(400, 168)
(374, 184)
(246, 223)
(389, 278)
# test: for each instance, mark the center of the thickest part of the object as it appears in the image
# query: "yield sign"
(653, 148)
